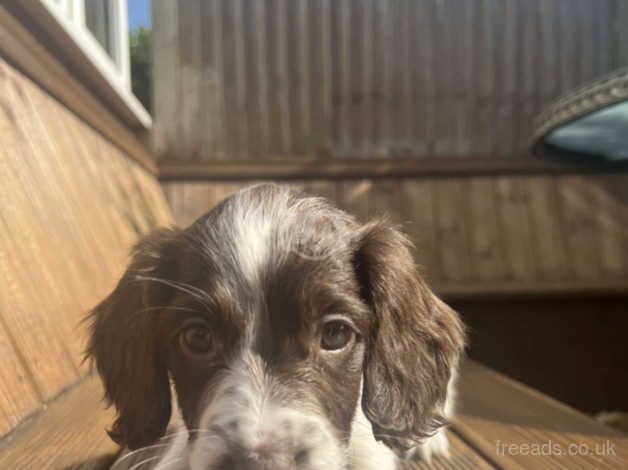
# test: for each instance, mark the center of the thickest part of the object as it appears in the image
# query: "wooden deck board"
(461, 457)
(67, 434)
(496, 412)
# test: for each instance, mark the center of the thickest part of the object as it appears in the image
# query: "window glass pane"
(100, 19)
(601, 133)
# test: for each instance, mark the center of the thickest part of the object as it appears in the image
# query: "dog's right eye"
(195, 339)
(336, 335)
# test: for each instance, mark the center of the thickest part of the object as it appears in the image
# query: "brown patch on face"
(192, 372)
(298, 296)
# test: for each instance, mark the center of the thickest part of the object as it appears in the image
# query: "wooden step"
(67, 434)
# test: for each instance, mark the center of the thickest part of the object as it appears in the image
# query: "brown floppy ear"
(124, 344)
(414, 346)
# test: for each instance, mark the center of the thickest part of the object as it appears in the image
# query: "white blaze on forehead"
(254, 224)
(254, 221)
(259, 226)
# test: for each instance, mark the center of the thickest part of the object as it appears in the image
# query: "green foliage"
(141, 66)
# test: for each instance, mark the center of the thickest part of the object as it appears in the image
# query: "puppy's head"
(275, 316)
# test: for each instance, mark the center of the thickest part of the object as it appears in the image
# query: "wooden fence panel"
(319, 79)
(481, 234)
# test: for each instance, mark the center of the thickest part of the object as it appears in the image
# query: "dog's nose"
(265, 450)
(265, 456)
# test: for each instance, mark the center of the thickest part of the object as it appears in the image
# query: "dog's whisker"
(163, 307)
(208, 438)
(213, 437)
(139, 464)
(136, 451)
(164, 465)
(183, 431)
(195, 292)
(185, 287)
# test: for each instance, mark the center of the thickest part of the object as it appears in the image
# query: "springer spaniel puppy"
(293, 338)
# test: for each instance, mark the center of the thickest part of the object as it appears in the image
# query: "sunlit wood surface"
(481, 235)
(72, 206)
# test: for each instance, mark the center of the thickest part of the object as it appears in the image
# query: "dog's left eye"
(336, 335)
(196, 339)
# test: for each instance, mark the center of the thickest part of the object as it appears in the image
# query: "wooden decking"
(501, 424)
(496, 412)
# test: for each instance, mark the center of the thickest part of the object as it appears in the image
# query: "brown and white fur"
(293, 337)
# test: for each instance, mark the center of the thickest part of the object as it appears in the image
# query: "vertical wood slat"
(383, 46)
(466, 61)
(569, 44)
(353, 196)
(213, 100)
(191, 74)
(262, 77)
(230, 117)
(252, 59)
(451, 229)
(609, 196)
(620, 41)
(548, 17)
(515, 228)
(507, 123)
(304, 72)
(322, 188)
(165, 39)
(486, 74)
(385, 202)
(404, 75)
(529, 104)
(547, 232)
(343, 87)
(242, 127)
(363, 81)
(417, 211)
(586, 27)
(579, 215)
(424, 73)
(282, 76)
(445, 74)
(485, 243)
(325, 98)
(319, 76)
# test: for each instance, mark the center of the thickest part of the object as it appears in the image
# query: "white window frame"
(70, 15)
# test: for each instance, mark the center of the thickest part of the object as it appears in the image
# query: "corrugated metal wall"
(244, 79)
